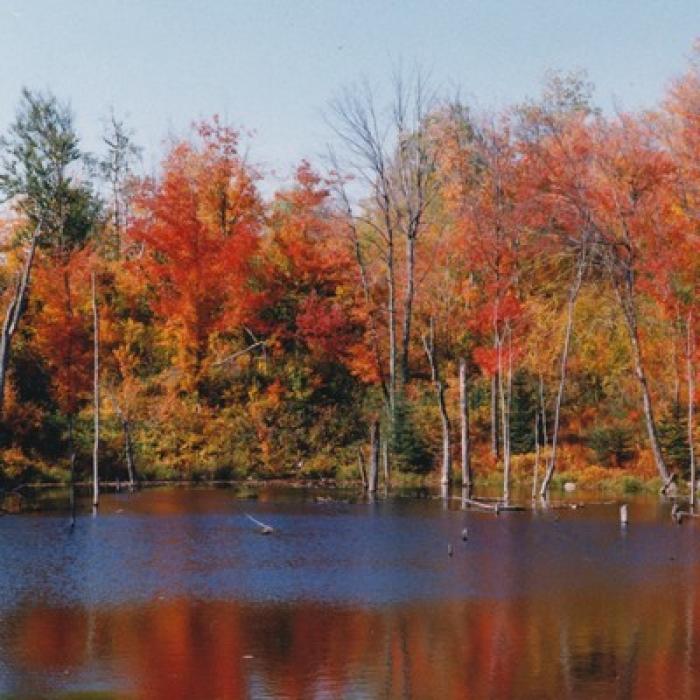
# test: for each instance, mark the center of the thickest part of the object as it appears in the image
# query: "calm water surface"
(172, 594)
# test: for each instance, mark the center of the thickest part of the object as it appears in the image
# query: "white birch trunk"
(464, 421)
(96, 393)
(374, 457)
(690, 352)
(570, 309)
(13, 314)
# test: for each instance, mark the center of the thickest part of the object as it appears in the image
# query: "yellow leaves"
(601, 344)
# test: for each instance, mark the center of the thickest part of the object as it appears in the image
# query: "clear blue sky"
(272, 65)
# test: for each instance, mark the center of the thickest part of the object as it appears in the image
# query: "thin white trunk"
(570, 309)
(391, 301)
(509, 407)
(374, 457)
(71, 458)
(536, 467)
(429, 346)
(494, 413)
(647, 404)
(14, 312)
(361, 468)
(690, 353)
(128, 442)
(505, 413)
(408, 306)
(96, 392)
(625, 295)
(464, 420)
(371, 318)
(446, 473)
(385, 460)
(677, 338)
(129, 454)
(543, 410)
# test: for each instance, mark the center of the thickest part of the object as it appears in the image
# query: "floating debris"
(264, 529)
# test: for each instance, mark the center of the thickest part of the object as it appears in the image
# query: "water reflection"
(632, 648)
(180, 599)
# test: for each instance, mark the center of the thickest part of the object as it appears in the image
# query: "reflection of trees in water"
(637, 644)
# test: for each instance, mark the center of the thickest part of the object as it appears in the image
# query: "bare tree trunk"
(629, 313)
(364, 280)
(677, 339)
(509, 406)
(536, 467)
(429, 345)
(649, 410)
(374, 335)
(13, 314)
(394, 156)
(496, 380)
(543, 410)
(408, 306)
(494, 415)
(690, 353)
(374, 457)
(464, 420)
(96, 391)
(385, 460)
(622, 277)
(361, 468)
(446, 474)
(129, 454)
(128, 443)
(71, 449)
(505, 414)
(570, 308)
(501, 402)
(391, 302)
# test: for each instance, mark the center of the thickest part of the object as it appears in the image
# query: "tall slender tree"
(389, 150)
(40, 168)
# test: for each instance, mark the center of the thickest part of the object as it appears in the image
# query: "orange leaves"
(554, 179)
(362, 362)
(306, 270)
(199, 225)
(63, 326)
(631, 174)
(634, 203)
(484, 174)
(305, 244)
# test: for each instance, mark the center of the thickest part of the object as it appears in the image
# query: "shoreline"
(570, 483)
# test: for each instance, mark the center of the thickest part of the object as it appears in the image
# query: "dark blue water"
(161, 554)
(374, 554)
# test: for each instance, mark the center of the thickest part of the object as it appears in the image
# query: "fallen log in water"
(494, 507)
(478, 504)
(564, 505)
(264, 529)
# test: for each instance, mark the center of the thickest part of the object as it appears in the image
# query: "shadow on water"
(172, 593)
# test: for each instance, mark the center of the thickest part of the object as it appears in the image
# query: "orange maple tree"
(198, 226)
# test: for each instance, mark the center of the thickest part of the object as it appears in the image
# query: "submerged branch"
(264, 529)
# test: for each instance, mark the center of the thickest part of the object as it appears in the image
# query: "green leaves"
(40, 169)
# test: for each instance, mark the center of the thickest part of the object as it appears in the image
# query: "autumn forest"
(446, 295)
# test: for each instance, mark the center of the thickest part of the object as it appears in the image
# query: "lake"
(172, 593)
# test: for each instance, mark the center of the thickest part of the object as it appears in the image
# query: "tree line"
(515, 291)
